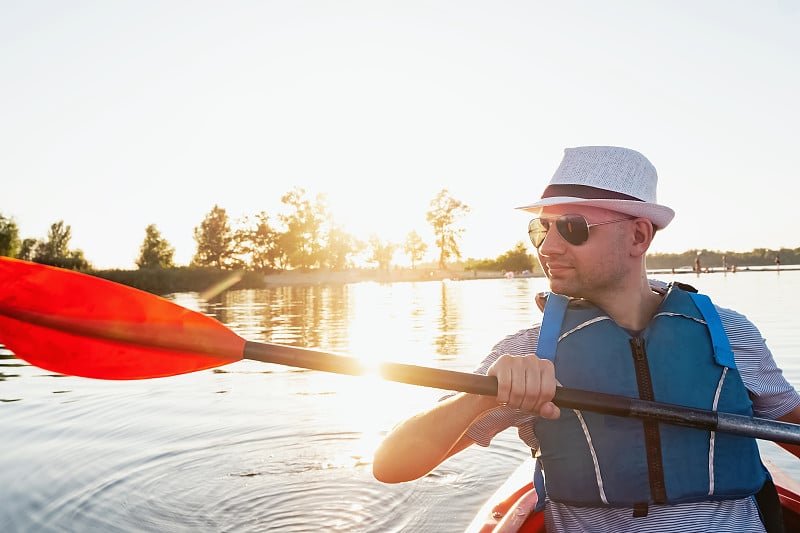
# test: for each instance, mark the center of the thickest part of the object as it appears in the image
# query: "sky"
(117, 115)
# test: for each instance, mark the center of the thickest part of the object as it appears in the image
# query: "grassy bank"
(201, 280)
(185, 279)
(182, 279)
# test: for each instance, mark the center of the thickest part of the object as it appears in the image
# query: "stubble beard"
(603, 277)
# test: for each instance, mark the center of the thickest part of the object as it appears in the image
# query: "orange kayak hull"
(510, 508)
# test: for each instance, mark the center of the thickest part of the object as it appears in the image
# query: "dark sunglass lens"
(573, 228)
(537, 230)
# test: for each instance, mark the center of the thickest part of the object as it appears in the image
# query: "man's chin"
(562, 286)
(558, 286)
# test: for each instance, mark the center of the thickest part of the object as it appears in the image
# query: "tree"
(57, 244)
(9, 237)
(257, 243)
(444, 212)
(214, 239)
(415, 248)
(302, 241)
(27, 250)
(155, 251)
(382, 252)
(76, 261)
(340, 247)
(55, 250)
(516, 260)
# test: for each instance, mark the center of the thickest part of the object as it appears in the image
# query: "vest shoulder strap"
(550, 329)
(723, 353)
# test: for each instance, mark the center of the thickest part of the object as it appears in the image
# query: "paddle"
(80, 325)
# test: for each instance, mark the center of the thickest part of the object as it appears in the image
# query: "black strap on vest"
(769, 507)
(652, 433)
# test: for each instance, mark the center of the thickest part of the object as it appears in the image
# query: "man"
(607, 328)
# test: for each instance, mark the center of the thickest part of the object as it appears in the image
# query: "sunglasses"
(573, 228)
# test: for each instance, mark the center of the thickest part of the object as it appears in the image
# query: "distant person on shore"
(778, 261)
(697, 267)
(607, 328)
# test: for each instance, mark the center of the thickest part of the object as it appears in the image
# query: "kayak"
(510, 508)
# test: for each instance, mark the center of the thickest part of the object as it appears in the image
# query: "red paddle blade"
(80, 325)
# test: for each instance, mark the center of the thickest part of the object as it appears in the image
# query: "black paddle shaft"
(597, 402)
(679, 415)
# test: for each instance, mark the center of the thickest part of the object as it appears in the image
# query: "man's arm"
(793, 417)
(418, 445)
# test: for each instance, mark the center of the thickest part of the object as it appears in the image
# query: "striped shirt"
(772, 398)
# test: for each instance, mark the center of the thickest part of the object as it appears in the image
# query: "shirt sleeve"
(773, 396)
(484, 429)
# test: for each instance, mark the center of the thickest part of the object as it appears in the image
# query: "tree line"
(719, 260)
(52, 250)
(306, 237)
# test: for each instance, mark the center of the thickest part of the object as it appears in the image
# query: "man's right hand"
(526, 382)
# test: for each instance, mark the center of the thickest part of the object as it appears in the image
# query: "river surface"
(260, 447)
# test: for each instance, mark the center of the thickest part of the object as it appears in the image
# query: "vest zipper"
(652, 434)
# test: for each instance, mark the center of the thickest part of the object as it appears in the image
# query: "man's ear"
(643, 232)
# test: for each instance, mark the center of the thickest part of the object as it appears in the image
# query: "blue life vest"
(683, 357)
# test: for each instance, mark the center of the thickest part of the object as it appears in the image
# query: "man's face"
(594, 266)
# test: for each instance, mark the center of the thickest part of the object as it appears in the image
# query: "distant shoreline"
(404, 275)
(720, 270)
(207, 281)
(392, 276)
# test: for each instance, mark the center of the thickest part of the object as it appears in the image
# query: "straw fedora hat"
(619, 179)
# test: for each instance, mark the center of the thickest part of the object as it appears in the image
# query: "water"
(259, 447)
